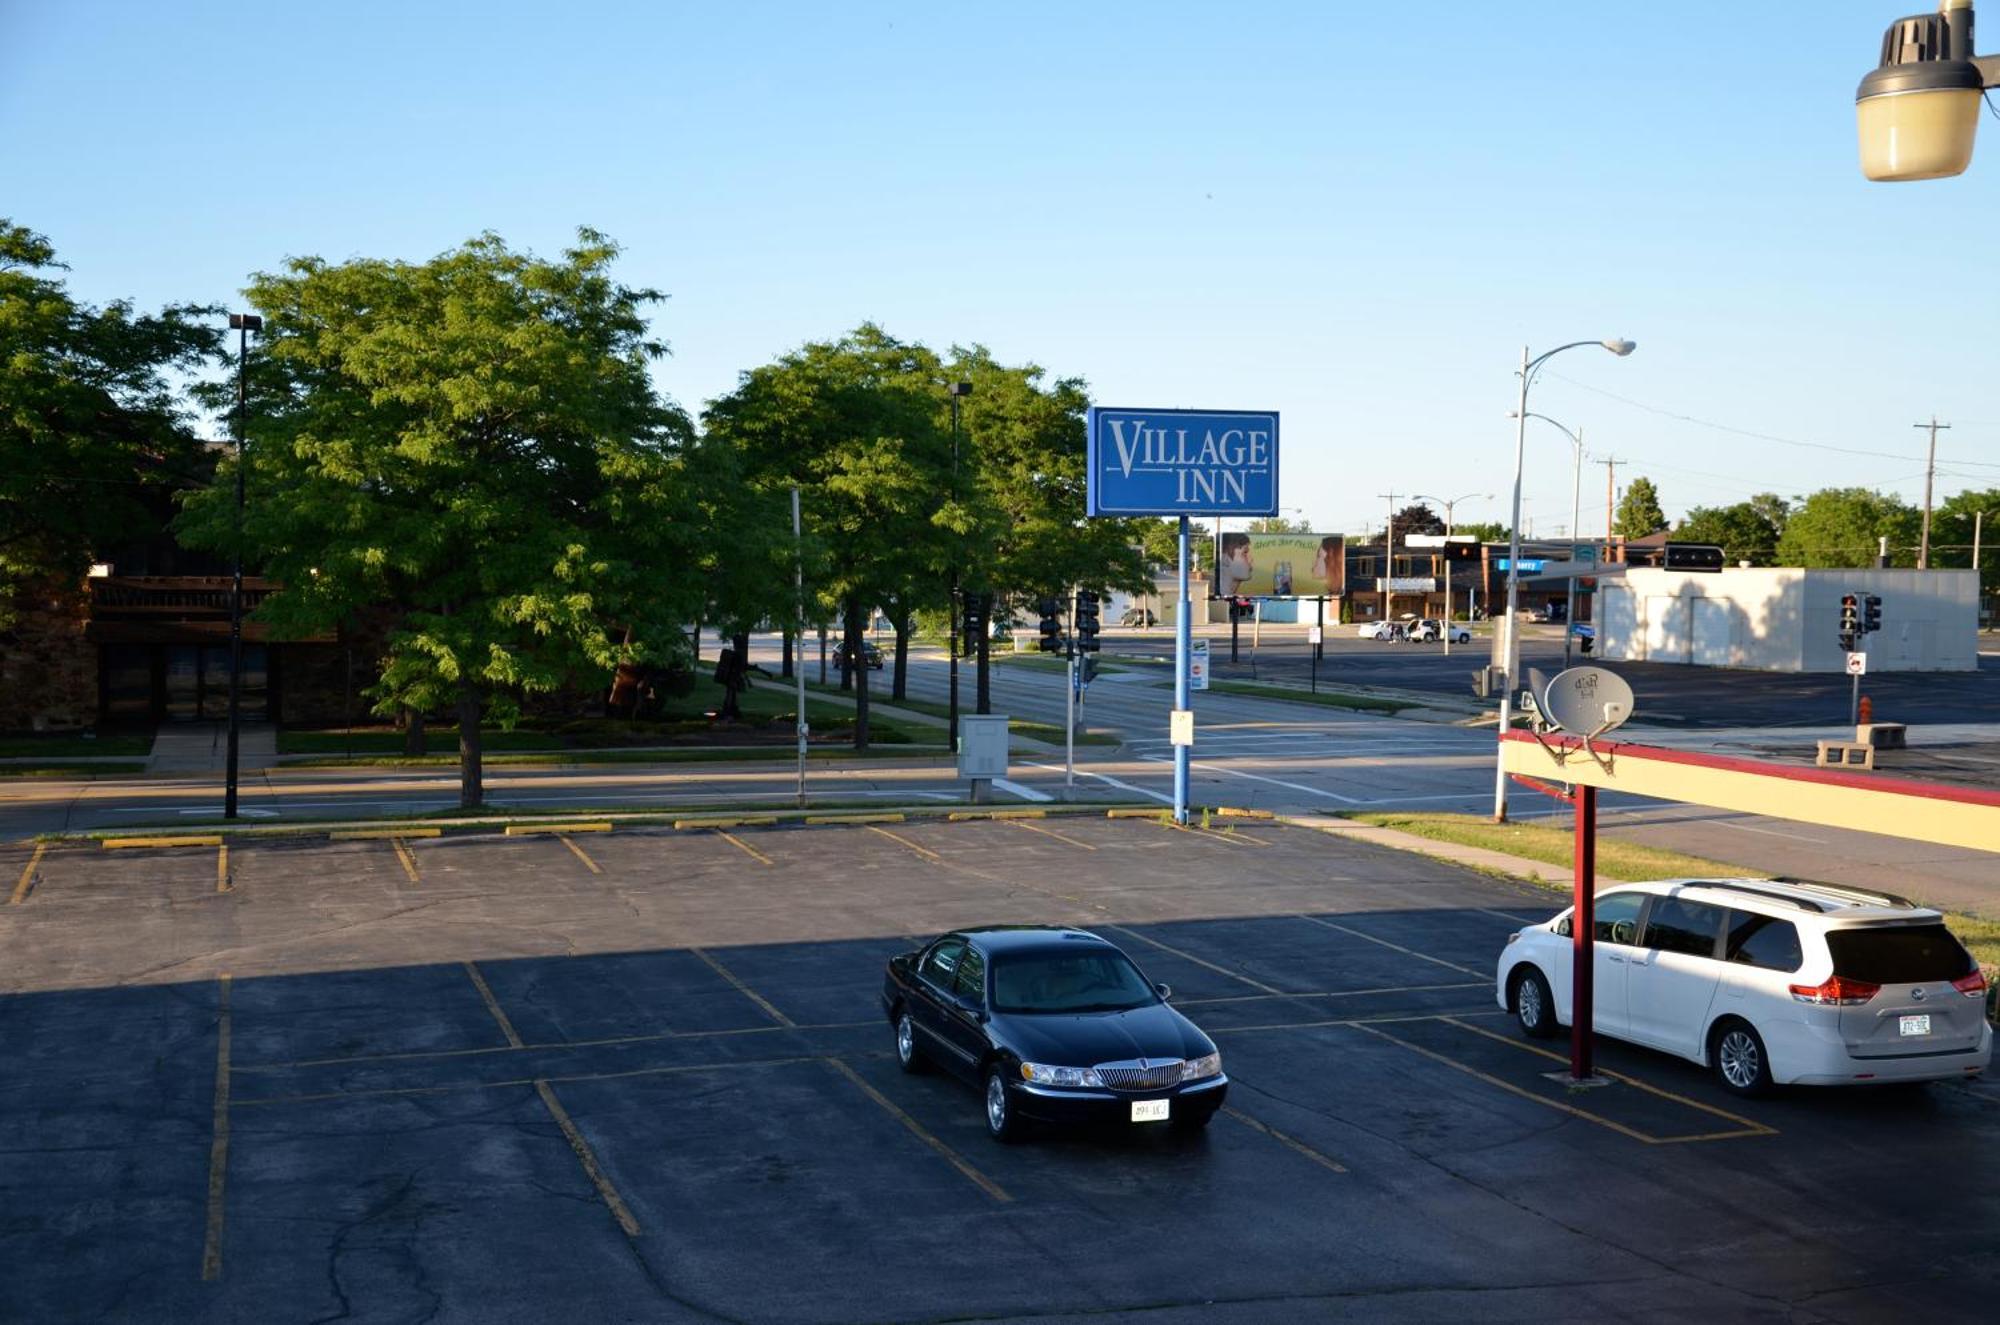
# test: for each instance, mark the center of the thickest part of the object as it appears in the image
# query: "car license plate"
(1917, 1025)
(1150, 1111)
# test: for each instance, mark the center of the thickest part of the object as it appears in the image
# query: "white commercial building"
(1784, 619)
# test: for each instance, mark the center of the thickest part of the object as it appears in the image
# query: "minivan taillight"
(1838, 990)
(1972, 986)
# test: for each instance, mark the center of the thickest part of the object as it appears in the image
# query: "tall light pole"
(1575, 514)
(243, 324)
(1509, 648)
(1449, 504)
(957, 391)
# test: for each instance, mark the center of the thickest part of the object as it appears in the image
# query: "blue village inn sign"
(1183, 462)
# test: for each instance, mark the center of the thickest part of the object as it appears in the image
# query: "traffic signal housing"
(1850, 620)
(1705, 557)
(1088, 621)
(975, 623)
(1051, 614)
(1871, 614)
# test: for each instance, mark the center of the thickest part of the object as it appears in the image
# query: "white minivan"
(1765, 981)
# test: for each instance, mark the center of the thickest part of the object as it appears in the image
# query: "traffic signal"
(1051, 612)
(1086, 621)
(1694, 556)
(1089, 669)
(1239, 609)
(1871, 614)
(1850, 620)
(975, 623)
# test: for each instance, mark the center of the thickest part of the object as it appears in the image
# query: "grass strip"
(62, 770)
(1621, 860)
(31, 745)
(693, 754)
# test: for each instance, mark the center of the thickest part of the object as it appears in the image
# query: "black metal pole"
(236, 584)
(952, 613)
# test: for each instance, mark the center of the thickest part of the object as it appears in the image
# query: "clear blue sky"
(1314, 208)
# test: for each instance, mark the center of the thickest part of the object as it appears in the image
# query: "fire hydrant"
(1866, 710)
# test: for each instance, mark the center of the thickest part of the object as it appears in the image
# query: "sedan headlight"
(1042, 1074)
(1200, 1069)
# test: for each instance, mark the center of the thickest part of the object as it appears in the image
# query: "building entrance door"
(198, 683)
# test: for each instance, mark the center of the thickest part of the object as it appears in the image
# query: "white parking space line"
(1122, 786)
(1259, 777)
(1025, 793)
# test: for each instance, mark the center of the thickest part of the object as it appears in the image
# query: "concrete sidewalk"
(203, 747)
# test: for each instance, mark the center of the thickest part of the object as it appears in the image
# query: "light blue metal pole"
(1183, 646)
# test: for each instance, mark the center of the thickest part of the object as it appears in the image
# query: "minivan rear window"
(1898, 955)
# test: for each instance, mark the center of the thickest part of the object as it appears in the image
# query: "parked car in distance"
(1052, 1025)
(871, 654)
(1430, 630)
(1377, 630)
(1765, 981)
(1138, 616)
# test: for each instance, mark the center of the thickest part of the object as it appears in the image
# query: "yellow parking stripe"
(591, 1169)
(770, 1010)
(218, 1148)
(928, 854)
(1188, 956)
(1285, 1139)
(493, 1006)
(222, 868)
(408, 861)
(27, 875)
(1411, 952)
(745, 847)
(952, 1157)
(1076, 842)
(579, 853)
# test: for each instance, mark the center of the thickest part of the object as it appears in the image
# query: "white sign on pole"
(1198, 666)
(1314, 635)
(1180, 727)
(1857, 664)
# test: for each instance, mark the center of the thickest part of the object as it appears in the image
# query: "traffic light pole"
(1069, 727)
(1183, 646)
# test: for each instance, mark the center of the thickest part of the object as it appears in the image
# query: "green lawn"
(1041, 731)
(62, 770)
(1621, 860)
(1049, 662)
(693, 754)
(1326, 698)
(29, 745)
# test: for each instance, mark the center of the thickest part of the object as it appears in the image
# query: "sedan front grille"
(1142, 1074)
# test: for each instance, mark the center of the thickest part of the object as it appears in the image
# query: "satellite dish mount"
(1585, 702)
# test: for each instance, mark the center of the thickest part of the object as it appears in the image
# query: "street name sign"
(1182, 462)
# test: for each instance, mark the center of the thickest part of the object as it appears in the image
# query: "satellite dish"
(1587, 701)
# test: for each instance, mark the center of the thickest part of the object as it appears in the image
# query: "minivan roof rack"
(1750, 886)
(1858, 894)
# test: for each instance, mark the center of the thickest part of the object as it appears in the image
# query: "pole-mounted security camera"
(1918, 111)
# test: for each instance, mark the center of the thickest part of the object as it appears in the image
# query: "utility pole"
(1389, 558)
(1610, 464)
(1930, 473)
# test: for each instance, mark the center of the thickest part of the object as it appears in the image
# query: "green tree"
(1418, 518)
(1159, 542)
(1486, 531)
(90, 427)
(470, 446)
(1278, 524)
(1742, 530)
(1952, 532)
(1639, 512)
(1841, 527)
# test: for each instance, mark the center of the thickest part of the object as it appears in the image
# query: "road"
(1269, 754)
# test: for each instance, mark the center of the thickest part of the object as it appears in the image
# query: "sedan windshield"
(1097, 980)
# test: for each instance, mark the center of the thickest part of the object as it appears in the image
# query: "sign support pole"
(798, 545)
(1069, 726)
(1854, 700)
(1583, 933)
(1183, 637)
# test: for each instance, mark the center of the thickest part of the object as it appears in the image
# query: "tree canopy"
(1745, 530)
(472, 448)
(1639, 512)
(90, 426)
(1418, 518)
(1842, 527)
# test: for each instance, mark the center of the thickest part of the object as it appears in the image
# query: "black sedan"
(871, 654)
(1053, 1025)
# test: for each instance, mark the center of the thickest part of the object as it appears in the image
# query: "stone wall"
(48, 670)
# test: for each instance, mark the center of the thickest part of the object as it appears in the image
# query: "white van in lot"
(1766, 982)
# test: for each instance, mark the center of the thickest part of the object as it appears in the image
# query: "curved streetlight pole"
(1509, 648)
(1449, 504)
(1575, 514)
(242, 324)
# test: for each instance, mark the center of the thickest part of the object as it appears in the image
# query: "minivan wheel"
(1736, 1052)
(1001, 1121)
(1534, 1006)
(908, 1056)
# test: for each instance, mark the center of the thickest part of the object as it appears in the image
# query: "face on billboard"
(1281, 566)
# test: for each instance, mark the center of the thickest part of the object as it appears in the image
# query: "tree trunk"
(900, 690)
(822, 655)
(985, 673)
(858, 673)
(742, 642)
(786, 669)
(471, 793)
(414, 743)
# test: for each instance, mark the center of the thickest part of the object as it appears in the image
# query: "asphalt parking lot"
(644, 1076)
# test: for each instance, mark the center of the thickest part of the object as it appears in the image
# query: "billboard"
(1280, 566)
(1182, 462)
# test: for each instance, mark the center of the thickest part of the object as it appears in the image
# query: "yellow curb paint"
(117, 843)
(27, 875)
(406, 860)
(375, 834)
(854, 819)
(529, 830)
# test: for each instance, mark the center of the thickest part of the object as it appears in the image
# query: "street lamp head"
(1621, 348)
(960, 388)
(245, 322)
(1918, 111)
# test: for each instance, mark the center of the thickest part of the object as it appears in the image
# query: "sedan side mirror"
(1165, 991)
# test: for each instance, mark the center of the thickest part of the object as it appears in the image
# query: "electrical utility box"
(982, 745)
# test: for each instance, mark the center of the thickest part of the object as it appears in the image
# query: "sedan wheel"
(1001, 1121)
(1739, 1058)
(908, 1056)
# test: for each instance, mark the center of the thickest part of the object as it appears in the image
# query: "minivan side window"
(1765, 942)
(1616, 918)
(1676, 925)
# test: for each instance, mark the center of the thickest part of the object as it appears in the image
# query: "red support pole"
(1582, 935)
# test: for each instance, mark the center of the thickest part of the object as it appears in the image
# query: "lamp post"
(1509, 647)
(1575, 514)
(1449, 504)
(957, 391)
(243, 324)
